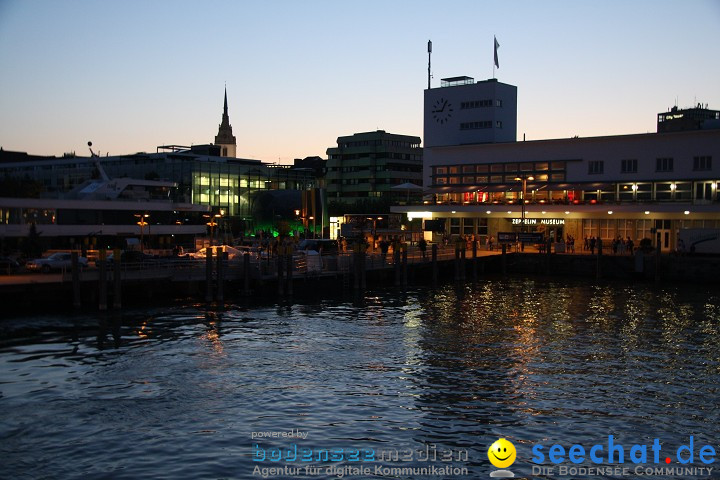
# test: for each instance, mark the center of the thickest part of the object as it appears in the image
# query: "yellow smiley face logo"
(502, 453)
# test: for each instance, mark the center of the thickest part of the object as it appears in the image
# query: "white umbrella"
(407, 186)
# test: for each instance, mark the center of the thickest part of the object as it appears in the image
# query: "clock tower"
(225, 138)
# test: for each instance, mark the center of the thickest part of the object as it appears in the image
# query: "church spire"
(225, 138)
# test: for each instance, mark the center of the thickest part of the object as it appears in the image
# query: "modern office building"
(624, 185)
(375, 165)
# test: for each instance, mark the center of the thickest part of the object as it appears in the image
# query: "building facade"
(628, 186)
(369, 165)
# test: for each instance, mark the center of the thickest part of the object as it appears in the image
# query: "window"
(664, 164)
(498, 103)
(469, 226)
(498, 124)
(440, 170)
(595, 167)
(629, 166)
(454, 226)
(702, 163)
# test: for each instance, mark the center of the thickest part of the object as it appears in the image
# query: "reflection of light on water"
(212, 336)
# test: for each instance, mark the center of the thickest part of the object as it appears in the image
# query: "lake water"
(435, 375)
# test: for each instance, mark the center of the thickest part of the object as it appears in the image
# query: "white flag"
(497, 45)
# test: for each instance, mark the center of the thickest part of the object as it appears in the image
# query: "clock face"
(442, 111)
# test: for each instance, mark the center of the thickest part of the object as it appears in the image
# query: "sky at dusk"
(135, 74)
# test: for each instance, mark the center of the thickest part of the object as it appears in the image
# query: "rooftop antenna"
(96, 157)
(429, 54)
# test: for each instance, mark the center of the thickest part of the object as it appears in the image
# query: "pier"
(216, 279)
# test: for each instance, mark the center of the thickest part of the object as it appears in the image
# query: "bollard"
(434, 263)
(117, 280)
(599, 258)
(75, 265)
(208, 274)
(221, 259)
(246, 274)
(102, 280)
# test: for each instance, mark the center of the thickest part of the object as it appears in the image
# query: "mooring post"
(280, 267)
(658, 247)
(208, 274)
(475, 261)
(396, 262)
(548, 255)
(456, 263)
(463, 260)
(404, 265)
(434, 263)
(102, 280)
(246, 273)
(503, 260)
(117, 279)
(599, 257)
(363, 268)
(221, 260)
(289, 269)
(75, 266)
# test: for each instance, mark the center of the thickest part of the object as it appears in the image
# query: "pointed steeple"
(225, 138)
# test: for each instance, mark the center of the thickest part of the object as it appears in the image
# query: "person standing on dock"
(422, 245)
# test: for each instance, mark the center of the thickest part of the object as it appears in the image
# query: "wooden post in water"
(457, 260)
(658, 247)
(599, 257)
(246, 274)
(474, 262)
(75, 266)
(396, 262)
(208, 274)
(503, 260)
(434, 263)
(404, 266)
(117, 279)
(363, 268)
(548, 255)
(280, 267)
(289, 270)
(463, 260)
(102, 280)
(221, 259)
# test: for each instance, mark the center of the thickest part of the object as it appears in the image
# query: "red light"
(593, 201)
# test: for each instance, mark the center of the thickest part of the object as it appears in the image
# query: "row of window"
(483, 179)
(378, 155)
(525, 168)
(480, 104)
(480, 125)
(378, 143)
(663, 164)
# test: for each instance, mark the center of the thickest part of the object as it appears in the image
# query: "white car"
(56, 261)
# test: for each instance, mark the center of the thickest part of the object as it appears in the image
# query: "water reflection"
(454, 367)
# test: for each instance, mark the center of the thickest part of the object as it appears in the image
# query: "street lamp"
(374, 230)
(524, 179)
(212, 223)
(142, 223)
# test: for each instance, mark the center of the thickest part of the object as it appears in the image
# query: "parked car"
(8, 265)
(56, 261)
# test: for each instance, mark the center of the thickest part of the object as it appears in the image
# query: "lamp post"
(212, 223)
(313, 220)
(142, 223)
(374, 230)
(524, 179)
